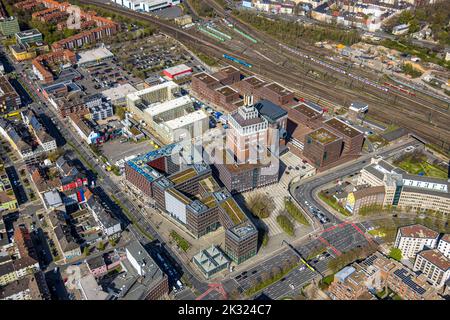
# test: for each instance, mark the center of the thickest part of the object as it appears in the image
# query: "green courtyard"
(416, 163)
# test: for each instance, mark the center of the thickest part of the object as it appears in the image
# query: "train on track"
(242, 62)
(400, 89)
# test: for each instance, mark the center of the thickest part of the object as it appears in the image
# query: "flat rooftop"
(279, 89)
(254, 81)
(179, 196)
(211, 259)
(343, 128)
(185, 120)
(233, 210)
(226, 91)
(168, 85)
(119, 92)
(157, 108)
(93, 55)
(28, 33)
(206, 78)
(181, 68)
(306, 110)
(209, 184)
(418, 231)
(243, 230)
(228, 69)
(323, 136)
(183, 176)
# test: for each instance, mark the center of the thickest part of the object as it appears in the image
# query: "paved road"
(337, 236)
(304, 191)
(110, 187)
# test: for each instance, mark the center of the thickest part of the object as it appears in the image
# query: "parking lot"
(344, 237)
(105, 75)
(335, 240)
(291, 284)
(149, 56)
(169, 13)
(115, 150)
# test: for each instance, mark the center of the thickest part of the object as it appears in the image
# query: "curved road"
(305, 190)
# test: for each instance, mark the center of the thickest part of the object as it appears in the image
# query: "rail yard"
(426, 116)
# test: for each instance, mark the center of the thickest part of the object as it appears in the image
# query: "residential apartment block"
(9, 98)
(413, 239)
(434, 265)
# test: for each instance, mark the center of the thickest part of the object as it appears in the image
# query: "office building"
(178, 72)
(29, 36)
(353, 138)
(322, 147)
(190, 195)
(407, 191)
(365, 197)
(217, 88)
(9, 26)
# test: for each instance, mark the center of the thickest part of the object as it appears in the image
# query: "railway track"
(406, 112)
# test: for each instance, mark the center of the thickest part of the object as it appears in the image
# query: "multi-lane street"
(105, 186)
(336, 236)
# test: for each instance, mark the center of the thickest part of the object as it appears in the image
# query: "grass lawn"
(181, 242)
(377, 233)
(375, 138)
(333, 203)
(295, 212)
(428, 169)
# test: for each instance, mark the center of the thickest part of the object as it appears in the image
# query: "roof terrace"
(323, 136)
(282, 91)
(233, 211)
(306, 110)
(343, 128)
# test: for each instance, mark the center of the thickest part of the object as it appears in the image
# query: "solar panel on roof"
(403, 275)
(369, 261)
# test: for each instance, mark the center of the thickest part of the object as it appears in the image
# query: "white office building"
(146, 5)
(189, 126)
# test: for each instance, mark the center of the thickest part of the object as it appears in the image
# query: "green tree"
(414, 26)
(395, 253)
(101, 246)
(261, 205)
(265, 239)
(405, 16)
(286, 224)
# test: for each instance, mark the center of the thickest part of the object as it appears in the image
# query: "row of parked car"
(317, 213)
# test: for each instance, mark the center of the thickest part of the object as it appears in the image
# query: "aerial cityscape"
(192, 150)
